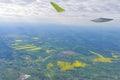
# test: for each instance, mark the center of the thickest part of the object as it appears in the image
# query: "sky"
(76, 11)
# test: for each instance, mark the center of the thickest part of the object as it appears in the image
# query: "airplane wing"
(58, 8)
(102, 20)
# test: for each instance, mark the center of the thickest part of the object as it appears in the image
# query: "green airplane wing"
(58, 8)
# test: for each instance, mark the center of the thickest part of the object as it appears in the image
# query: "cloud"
(17, 1)
(5, 1)
(42, 11)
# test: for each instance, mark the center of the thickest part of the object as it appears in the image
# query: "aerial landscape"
(72, 53)
(59, 40)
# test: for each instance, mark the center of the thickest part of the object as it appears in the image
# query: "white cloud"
(42, 11)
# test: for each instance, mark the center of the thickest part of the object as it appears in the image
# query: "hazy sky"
(77, 11)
